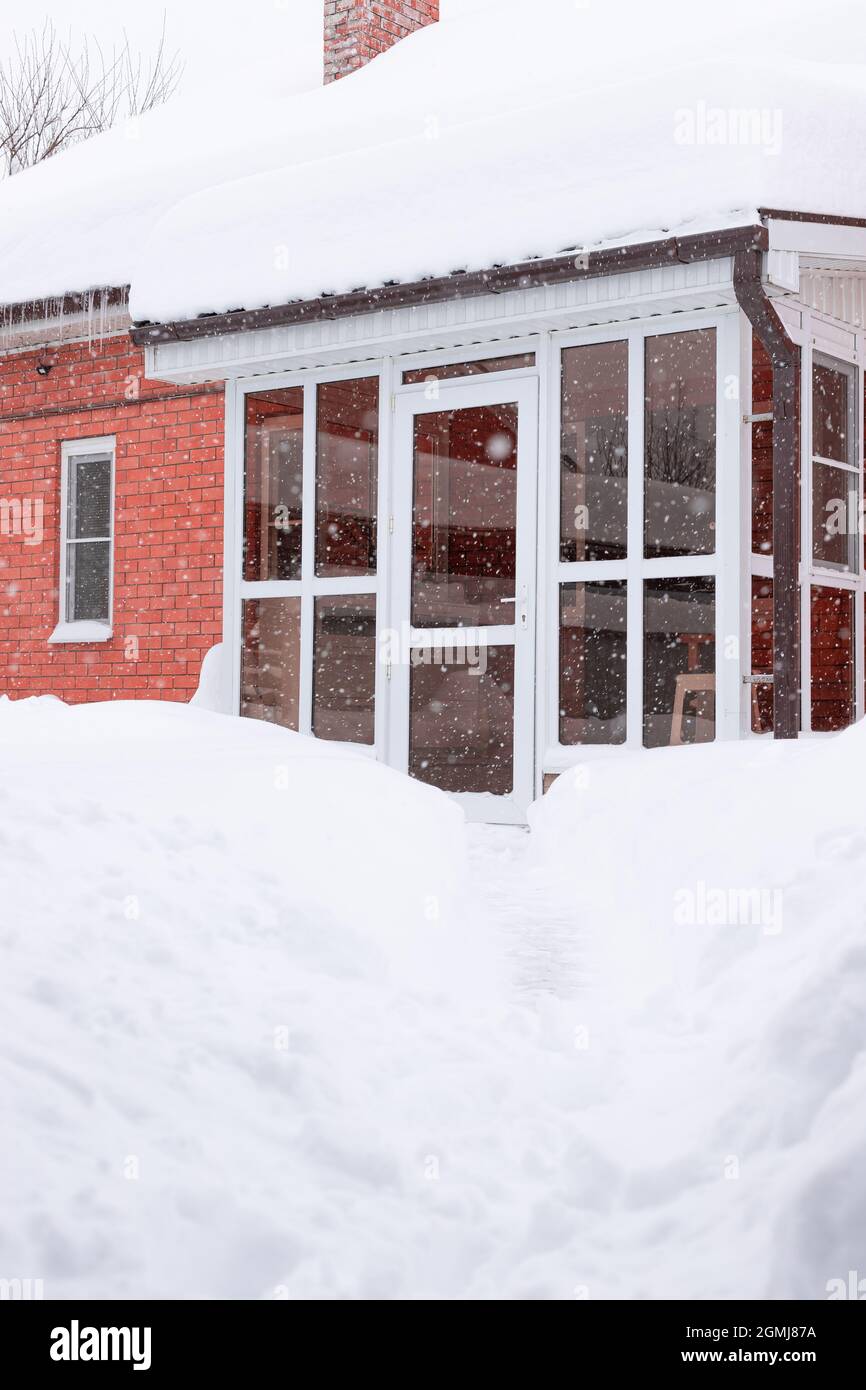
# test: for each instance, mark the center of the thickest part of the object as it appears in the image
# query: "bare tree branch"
(54, 93)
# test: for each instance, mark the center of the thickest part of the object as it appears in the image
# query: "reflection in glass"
(273, 484)
(762, 654)
(344, 668)
(834, 516)
(464, 516)
(88, 581)
(592, 663)
(347, 443)
(271, 660)
(679, 661)
(594, 453)
(762, 450)
(832, 421)
(450, 370)
(461, 734)
(832, 622)
(680, 444)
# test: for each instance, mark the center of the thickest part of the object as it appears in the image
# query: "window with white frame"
(835, 590)
(87, 472)
(309, 557)
(637, 571)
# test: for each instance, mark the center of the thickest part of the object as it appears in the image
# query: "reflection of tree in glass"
(679, 446)
(605, 449)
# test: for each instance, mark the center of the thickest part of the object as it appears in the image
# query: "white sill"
(81, 632)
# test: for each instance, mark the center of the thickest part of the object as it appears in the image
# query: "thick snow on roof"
(80, 220)
(508, 130)
(517, 130)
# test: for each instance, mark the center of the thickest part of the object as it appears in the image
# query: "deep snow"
(276, 1025)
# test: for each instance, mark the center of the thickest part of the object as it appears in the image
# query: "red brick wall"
(167, 524)
(358, 30)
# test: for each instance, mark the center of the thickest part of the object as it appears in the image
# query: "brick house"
(481, 522)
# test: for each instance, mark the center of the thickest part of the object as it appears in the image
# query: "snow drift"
(268, 1033)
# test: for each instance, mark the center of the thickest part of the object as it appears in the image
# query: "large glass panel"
(88, 581)
(462, 721)
(273, 484)
(347, 444)
(832, 624)
(592, 663)
(449, 370)
(762, 655)
(832, 416)
(464, 517)
(679, 661)
(680, 444)
(89, 514)
(344, 668)
(762, 450)
(835, 512)
(594, 453)
(271, 660)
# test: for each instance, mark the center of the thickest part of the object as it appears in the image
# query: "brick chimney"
(358, 30)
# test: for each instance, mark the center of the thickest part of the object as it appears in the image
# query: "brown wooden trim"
(786, 591)
(571, 265)
(119, 403)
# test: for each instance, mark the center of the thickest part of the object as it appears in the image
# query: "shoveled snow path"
(545, 941)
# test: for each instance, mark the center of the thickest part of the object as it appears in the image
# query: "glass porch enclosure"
(484, 565)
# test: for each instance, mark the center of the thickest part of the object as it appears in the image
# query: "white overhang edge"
(449, 323)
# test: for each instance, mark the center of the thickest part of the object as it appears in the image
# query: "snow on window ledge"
(81, 632)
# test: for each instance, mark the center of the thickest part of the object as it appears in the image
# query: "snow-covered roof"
(80, 220)
(506, 131)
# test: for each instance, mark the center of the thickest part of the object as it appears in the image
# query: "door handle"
(523, 601)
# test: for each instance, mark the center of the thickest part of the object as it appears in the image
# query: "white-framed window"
(831, 621)
(644, 605)
(308, 553)
(832, 578)
(86, 540)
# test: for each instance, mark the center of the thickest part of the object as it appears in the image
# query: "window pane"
(273, 485)
(594, 452)
(762, 654)
(455, 369)
(832, 658)
(679, 661)
(464, 517)
(762, 450)
(88, 581)
(832, 426)
(462, 721)
(347, 443)
(344, 668)
(592, 663)
(835, 515)
(271, 660)
(89, 496)
(680, 444)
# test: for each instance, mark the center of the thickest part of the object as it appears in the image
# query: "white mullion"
(233, 539)
(635, 560)
(385, 456)
(308, 557)
(591, 571)
(805, 569)
(730, 495)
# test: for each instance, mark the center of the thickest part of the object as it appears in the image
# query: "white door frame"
(463, 394)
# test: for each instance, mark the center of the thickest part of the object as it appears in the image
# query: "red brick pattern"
(168, 519)
(358, 30)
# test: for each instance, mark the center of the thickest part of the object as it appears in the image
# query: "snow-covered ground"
(275, 1024)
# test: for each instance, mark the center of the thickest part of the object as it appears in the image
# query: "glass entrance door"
(461, 672)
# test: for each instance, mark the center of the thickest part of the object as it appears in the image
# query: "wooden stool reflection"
(703, 688)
